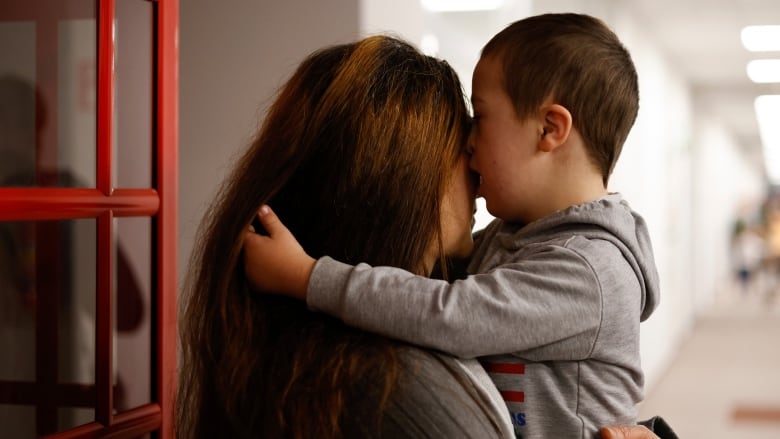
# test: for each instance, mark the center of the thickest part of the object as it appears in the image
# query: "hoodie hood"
(609, 218)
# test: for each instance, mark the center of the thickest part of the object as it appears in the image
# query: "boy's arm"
(511, 309)
(515, 308)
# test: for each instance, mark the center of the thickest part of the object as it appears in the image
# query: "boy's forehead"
(489, 63)
(488, 70)
(487, 80)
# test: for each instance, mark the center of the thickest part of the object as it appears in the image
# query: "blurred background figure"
(747, 256)
(771, 256)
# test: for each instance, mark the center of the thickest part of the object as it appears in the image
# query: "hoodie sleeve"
(550, 299)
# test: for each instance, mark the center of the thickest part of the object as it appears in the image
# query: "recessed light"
(764, 70)
(761, 38)
(767, 109)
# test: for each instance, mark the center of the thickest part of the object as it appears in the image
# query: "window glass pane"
(48, 91)
(76, 108)
(17, 301)
(134, 93)
(17, 420)
(70, 417)
(132, 299)
(18, 133)
(47, 318)
(77, 315)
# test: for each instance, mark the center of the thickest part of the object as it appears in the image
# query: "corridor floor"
(725, 381)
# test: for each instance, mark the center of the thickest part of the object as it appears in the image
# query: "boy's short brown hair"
(578, 62)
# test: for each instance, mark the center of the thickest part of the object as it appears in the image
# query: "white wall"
(234, 55)
(654, 174)
(403, 18)
(724, 180)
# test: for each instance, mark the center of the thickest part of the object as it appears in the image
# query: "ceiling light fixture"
(461, 5)
(761, 38)
(764, 70)
(767, 109)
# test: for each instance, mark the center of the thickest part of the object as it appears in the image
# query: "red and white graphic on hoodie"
(502, 373)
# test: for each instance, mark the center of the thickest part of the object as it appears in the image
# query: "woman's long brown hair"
(353, 156)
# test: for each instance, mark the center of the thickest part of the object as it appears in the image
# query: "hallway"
(725, 381)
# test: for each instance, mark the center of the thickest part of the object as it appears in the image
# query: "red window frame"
(104, 203)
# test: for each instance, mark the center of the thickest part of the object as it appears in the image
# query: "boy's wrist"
(301, 284)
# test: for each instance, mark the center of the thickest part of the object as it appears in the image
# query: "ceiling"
(702, 38)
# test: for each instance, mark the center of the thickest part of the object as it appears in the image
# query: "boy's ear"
(556, 126)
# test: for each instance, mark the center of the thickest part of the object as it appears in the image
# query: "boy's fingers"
(623, 432)
(270, 221)
(612, 433)
(250, 236)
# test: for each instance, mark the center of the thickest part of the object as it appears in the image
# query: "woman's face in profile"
(457, 210)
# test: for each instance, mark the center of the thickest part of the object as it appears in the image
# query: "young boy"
(564, 275)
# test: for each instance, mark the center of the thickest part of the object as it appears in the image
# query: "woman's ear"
(556, 126)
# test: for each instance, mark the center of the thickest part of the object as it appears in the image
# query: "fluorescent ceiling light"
(764, 70)
(461, 5)
(761, 38)
(767, 111)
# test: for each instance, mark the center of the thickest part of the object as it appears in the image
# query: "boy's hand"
(276, 263)
(627, 432)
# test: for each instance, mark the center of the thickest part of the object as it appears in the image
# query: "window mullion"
(105, 93)
(104, 319)
(104, 364)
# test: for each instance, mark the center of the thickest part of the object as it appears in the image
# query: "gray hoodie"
(552, 310)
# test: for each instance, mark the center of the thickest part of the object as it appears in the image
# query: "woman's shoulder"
(441, 396)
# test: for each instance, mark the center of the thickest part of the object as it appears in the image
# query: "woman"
(348, 149)
(362, 154)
